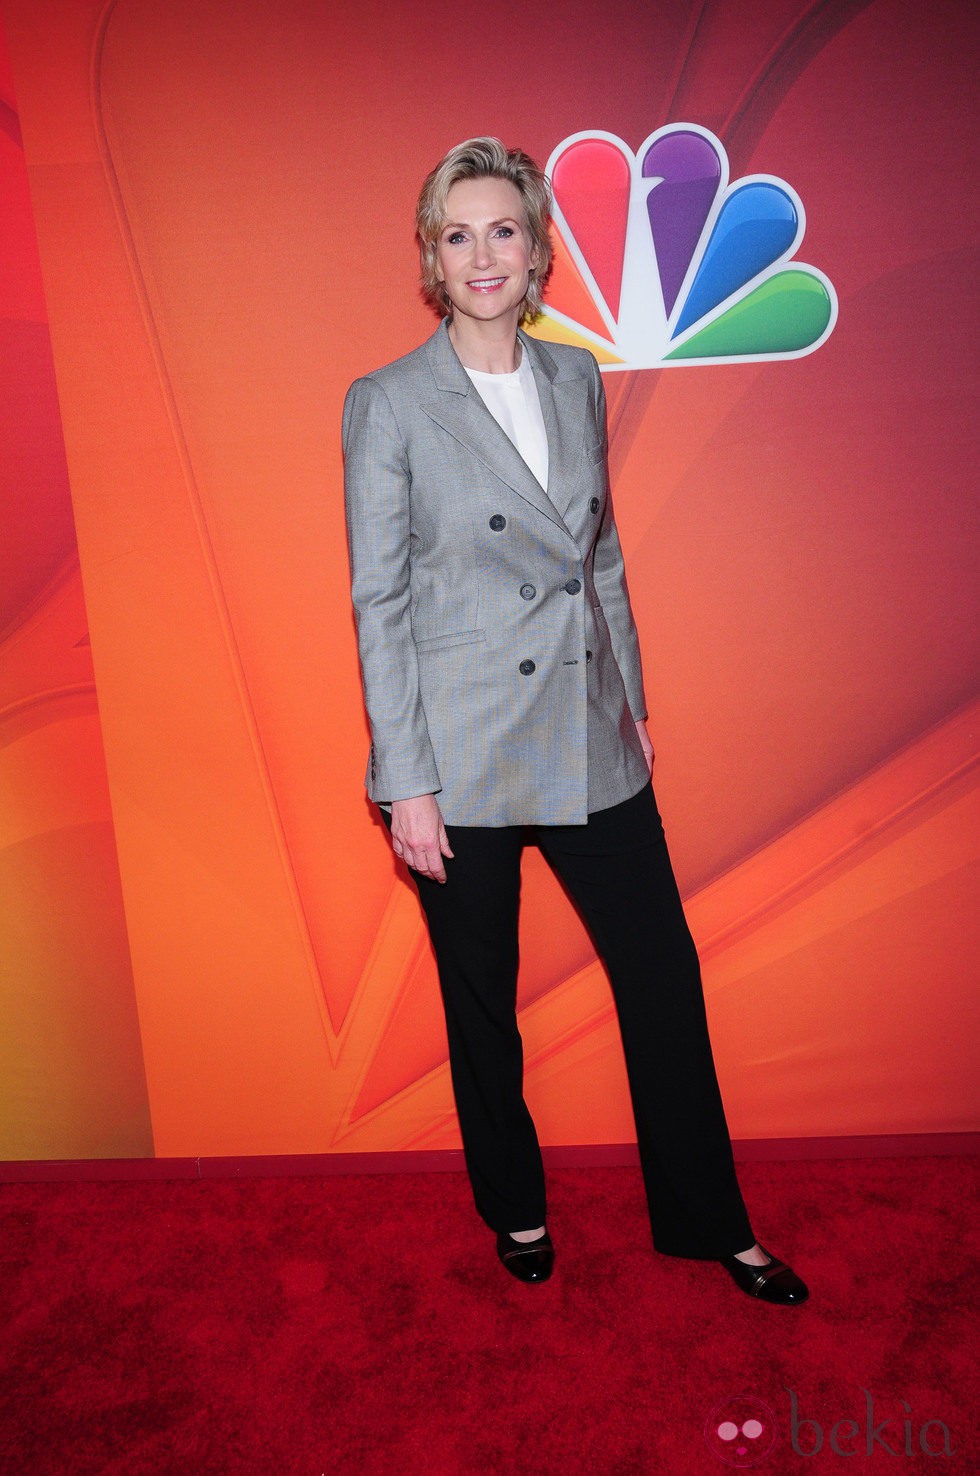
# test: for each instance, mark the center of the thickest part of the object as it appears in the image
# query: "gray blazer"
(498, 650)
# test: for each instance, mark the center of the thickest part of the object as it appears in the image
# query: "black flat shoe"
(530, 1260)
(775, 1282)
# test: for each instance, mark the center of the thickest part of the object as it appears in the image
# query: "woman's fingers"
(426, 861)
(646, 744)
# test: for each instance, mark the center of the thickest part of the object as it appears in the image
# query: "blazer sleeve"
(377, 487)
(610, 581)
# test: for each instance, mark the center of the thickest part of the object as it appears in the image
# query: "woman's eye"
(455, 238)
(505, 231)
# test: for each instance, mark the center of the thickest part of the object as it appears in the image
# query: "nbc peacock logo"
(661, 261)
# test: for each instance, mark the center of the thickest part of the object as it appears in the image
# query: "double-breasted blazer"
(498, 650)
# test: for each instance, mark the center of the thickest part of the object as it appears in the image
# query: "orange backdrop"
(206, 947)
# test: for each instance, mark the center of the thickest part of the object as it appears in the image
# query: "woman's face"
(484, 253)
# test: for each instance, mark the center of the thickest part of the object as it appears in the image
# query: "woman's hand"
(418, 835)
(645, 744)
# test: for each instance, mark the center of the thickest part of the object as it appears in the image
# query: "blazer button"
(498, 522)
(588, 655)
(526, 668)
(528, 591)
(593, 506)
(572, 587)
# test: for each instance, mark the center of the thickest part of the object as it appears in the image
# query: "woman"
(502, 679)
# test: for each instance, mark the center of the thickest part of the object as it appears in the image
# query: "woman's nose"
(483, 253)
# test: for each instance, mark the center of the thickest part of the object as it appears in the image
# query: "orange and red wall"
(206, 222)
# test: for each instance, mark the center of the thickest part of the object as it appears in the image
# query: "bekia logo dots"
(661, 261)
(742, 1430)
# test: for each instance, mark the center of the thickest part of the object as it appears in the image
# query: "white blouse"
(512, 400)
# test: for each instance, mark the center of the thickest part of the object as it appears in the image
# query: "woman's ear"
(429, 255)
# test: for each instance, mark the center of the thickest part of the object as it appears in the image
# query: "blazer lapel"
(564, 406)
(459, 410)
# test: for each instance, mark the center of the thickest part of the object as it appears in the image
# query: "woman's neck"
(490, 348)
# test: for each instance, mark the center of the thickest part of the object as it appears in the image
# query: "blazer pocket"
(596, 453)
(445, 642)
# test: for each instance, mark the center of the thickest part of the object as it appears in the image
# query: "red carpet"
(327, 1325)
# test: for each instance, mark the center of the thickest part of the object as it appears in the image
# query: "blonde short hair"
(484, 158)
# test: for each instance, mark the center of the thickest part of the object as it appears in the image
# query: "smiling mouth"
(486, 284)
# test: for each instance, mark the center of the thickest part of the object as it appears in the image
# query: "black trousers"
(617, 870)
